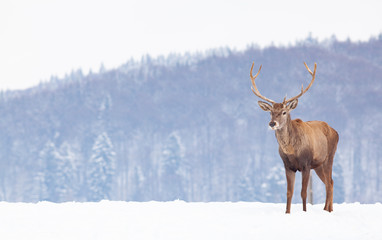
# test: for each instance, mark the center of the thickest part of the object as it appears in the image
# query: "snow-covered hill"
(181, 220)
(189, 127)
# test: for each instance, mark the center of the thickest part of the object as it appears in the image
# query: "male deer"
(302, 145)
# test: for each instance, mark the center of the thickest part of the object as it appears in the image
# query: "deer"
(302, 145)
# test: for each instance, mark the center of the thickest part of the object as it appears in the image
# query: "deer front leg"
(305, 180)
(290, 176)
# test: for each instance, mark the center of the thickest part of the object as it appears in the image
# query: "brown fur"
(304, 146)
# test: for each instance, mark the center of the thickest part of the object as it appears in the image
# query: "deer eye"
(284, 113)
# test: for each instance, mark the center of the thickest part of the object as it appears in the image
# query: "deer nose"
(272, 124)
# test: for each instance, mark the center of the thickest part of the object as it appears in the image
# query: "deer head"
(280, 112)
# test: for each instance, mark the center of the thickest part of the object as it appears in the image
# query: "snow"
(181, 220)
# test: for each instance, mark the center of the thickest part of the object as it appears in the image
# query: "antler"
(254, 88)
(302, 87)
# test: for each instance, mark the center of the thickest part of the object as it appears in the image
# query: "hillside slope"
(188, 127)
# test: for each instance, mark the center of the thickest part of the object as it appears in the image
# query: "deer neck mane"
(286, 137)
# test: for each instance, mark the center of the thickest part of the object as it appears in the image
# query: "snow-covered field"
(181, 220)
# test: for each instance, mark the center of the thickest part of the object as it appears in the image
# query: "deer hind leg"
(329, 186)
(305, 180)
(331, 196)
(322, 174)
(328, 166)
(290, 176)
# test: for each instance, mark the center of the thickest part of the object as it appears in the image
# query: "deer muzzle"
(273, 125)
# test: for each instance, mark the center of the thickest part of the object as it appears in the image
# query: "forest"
(187, 126)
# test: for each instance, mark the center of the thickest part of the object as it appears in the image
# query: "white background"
(42, 38)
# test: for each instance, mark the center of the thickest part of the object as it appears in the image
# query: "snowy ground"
(180, 220)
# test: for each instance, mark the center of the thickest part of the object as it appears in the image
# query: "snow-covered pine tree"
(174, 169)
(67, 174)
(101, 168)
(55, 179)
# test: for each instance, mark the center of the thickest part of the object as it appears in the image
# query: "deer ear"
(265, 106)
(293, 104)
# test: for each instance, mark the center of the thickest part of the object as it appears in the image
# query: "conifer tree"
(174, 168)
(55, 179)
(101, 169)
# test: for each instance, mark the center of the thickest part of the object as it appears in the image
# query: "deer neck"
(285, 137)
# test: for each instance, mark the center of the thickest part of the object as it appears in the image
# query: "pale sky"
(41, 38)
